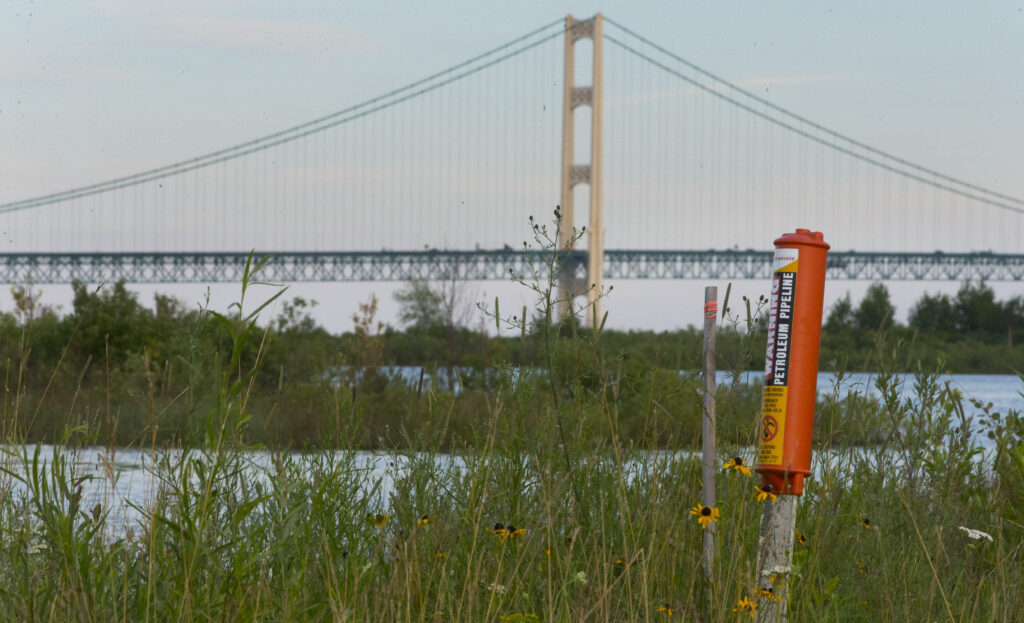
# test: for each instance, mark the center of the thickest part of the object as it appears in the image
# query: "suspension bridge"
(670, 170)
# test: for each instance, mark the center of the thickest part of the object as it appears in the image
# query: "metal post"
(708, 428)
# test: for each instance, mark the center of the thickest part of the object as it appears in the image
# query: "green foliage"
(110, 321)
(568, 433)
(977, 310)
(970, 332)
(138, 375)
(841, 315)
(875, 311)
(230, 534)
(933, 314)
(420, 305)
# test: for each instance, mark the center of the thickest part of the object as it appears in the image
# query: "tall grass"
(232, 534)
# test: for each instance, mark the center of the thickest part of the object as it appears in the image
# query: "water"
(122, 480)
(1003, 391)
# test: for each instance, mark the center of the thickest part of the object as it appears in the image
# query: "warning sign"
(776, 368)
(773, 423)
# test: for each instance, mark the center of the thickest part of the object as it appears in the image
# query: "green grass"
(608, 537)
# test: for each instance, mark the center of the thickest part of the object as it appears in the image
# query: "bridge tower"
(590, 174)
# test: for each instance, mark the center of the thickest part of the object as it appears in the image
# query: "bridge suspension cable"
(387, 100)
(949, 183)
(457, 160)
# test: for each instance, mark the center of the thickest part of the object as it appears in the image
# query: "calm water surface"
(123, 476)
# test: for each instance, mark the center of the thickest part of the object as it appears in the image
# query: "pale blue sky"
(95, 90)
(98, 88)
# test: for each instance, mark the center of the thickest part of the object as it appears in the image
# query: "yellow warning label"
(789, 268)
(773, 424)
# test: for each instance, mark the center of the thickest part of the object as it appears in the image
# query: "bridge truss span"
(491, 265)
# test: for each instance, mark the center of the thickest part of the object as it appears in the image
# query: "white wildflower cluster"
(977, 535)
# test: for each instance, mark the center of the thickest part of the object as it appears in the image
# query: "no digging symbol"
(769, 428)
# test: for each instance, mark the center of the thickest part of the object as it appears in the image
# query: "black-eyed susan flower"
(764, 493)
(705, 514)
(767, 592)
(800, 538)
(380, 520)
(737, 464)
(422, 521)
(745, 605)
(507, 532)
(667, 609)
(866, 523)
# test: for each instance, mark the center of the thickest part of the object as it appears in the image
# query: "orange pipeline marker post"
(787, 406)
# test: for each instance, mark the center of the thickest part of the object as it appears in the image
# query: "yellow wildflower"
(380, 520)
(705, 514)
(507, 532)
(745, 605)
(764, 493)
(767, 592)
(737, 464)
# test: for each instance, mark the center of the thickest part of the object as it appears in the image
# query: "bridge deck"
(329, 266)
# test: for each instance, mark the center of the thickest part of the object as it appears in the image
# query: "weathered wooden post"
(787, 407)
(708, 428)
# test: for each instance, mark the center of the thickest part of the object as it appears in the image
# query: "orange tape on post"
(710, 310)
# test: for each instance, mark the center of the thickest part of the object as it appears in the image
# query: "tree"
(875, 310)
(295, 316)
(110, 320)
(1013, 318)
(367, 349)
(977, 310)
(841, 315)
(420, 305)
(933, 313)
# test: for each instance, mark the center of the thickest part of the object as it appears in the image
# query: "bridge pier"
(590, 174)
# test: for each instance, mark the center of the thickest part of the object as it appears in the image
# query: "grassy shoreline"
(134, 376)
(607, 533)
